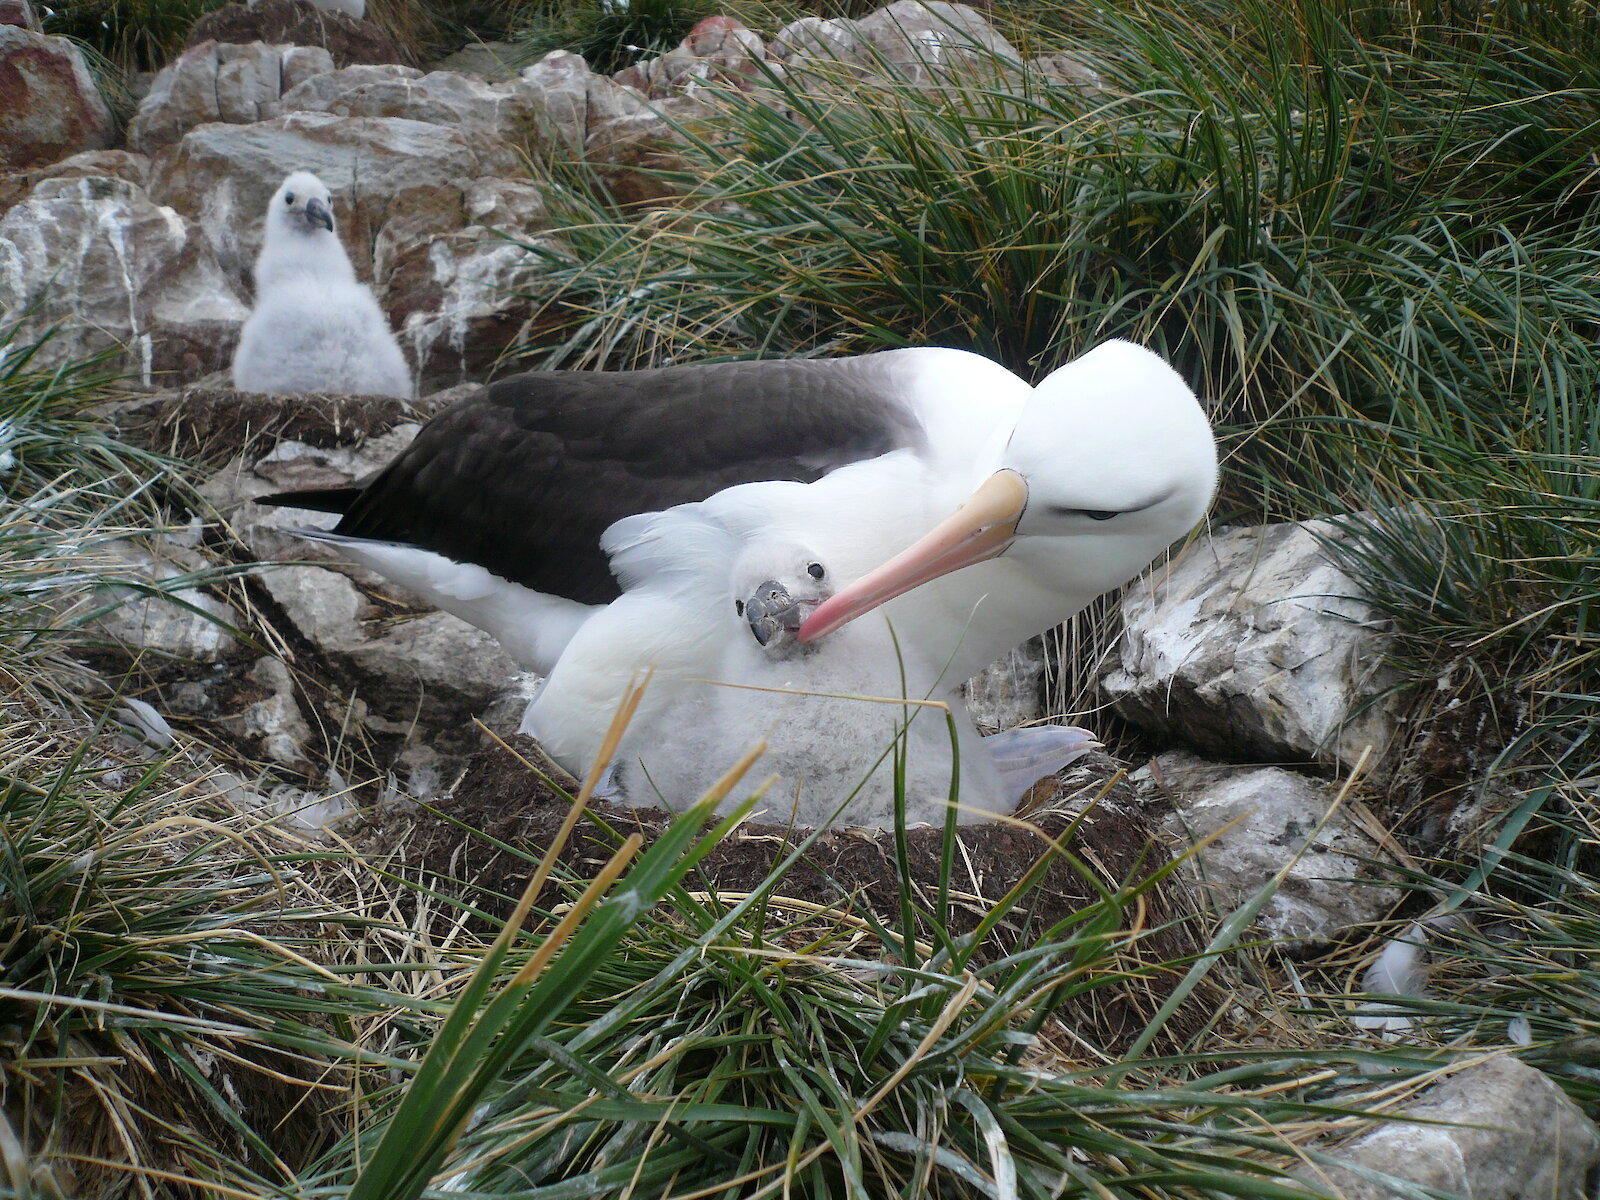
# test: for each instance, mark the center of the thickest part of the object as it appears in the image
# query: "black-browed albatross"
(495, 510)
(1110, 462)
(498, 509)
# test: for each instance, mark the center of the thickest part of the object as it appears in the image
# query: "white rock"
(434, 651)
(1498, 1130)
(469, 105)
(1263, 817)
(190, 625)
(1010, 692)
(922, 42)
(276, 719)
(1253, 644)
(292, 466)
(460, 289)
(96, 257)
(573, 103)
(221, 81)
(322, 605)
(934, 37)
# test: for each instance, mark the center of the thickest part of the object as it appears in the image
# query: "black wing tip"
(332, 500)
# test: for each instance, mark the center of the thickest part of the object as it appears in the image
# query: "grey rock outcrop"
(431, 654)
(51, 104)
(220, 82)
(1260, 817)
(575, 106)
(114, 269)
(924, 42)
(456, 297)
(506, 111)
(1499, 1130)
(1252, 643)
(183, 623)
(927, 39)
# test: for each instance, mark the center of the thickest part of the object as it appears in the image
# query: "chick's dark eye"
(738, 607)
(1098, 514)
(288, 197)
(815, 570)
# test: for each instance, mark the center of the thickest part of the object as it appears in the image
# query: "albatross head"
(1110, 462)
(775, 588)
(301, 205)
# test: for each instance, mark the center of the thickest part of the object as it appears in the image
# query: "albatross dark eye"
(815, 570)
(1098, 514)
(288, 197)
(738, 607)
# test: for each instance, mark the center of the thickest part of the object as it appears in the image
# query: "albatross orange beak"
(980, 529)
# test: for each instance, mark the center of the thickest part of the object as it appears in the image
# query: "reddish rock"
(49, 105)
(718, 50)
(294, 22)
(18, 12)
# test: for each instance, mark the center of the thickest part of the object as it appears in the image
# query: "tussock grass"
(753, 1045)
(610, 36)
(164, 1024)
(133, 35)
(164, 1021)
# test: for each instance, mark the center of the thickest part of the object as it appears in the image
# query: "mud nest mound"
(212, 424)
(482, 842)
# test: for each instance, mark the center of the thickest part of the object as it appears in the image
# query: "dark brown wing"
(524, 477)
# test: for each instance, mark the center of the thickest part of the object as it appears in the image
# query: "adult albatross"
(1111, 460)
(496, 509)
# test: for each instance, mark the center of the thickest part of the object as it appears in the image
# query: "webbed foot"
(1025, 756)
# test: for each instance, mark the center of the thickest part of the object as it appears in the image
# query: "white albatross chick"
(314, 327)
(715, 595)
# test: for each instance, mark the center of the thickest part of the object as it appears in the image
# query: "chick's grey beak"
(770, 610)
(318, 213)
